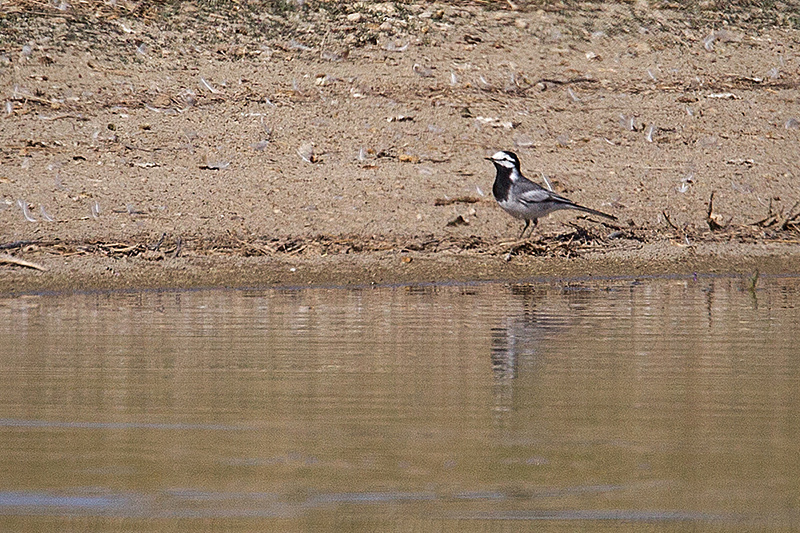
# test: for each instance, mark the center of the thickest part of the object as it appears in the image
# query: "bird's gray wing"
(531, 193)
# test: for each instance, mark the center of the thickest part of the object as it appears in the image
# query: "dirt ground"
(338, 143)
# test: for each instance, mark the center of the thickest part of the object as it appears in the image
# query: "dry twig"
(712, 219)
(7, 259)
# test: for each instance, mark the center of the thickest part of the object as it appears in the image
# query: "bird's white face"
(504, 159)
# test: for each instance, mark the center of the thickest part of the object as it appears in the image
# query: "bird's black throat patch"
(502, 184)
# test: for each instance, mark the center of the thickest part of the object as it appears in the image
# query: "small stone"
(385, 7)
(162, 100)
(355, 17)
(521, 23)
(386, 26)
(458, 221)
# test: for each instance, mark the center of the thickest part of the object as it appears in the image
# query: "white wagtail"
(523, 199)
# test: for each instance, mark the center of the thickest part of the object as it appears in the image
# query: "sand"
(154, 146)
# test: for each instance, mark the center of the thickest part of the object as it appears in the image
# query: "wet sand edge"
(92, 273)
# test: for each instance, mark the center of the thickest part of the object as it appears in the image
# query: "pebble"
(355, 17)
(387, 7)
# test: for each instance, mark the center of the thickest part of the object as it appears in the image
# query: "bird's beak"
(488, 159)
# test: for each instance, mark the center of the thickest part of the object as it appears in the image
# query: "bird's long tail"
(592, 211)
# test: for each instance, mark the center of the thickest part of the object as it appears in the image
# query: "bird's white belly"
(528, 211)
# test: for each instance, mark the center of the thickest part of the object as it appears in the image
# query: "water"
(605, 405)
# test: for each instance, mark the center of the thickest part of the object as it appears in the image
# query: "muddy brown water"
(666, 404)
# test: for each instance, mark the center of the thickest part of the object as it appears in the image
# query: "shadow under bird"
(523, 199)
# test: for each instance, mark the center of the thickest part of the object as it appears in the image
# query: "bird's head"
(505, 159)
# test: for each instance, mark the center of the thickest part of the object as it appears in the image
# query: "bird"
(523, 199)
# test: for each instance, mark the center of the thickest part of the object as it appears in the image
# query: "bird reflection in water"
(517, 344)
(514, 344)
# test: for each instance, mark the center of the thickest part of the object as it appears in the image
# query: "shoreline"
(353, 271)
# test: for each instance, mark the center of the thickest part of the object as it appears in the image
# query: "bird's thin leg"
(527, 223)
